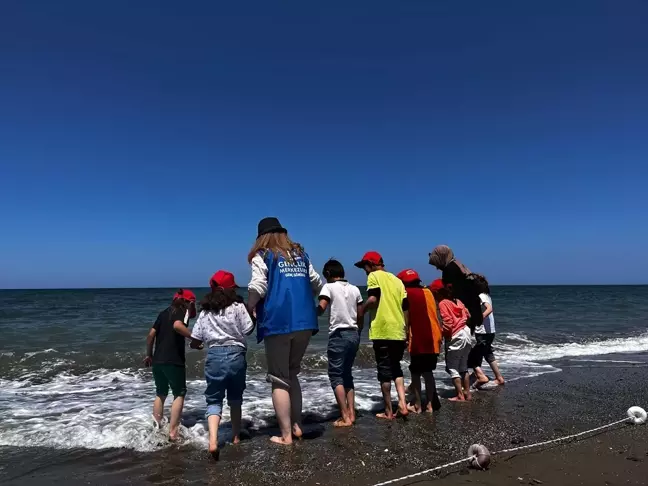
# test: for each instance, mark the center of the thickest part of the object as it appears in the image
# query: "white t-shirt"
(343, 304)
(228, 327)
(488, 326)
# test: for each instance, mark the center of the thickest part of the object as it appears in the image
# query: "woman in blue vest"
(281, 294)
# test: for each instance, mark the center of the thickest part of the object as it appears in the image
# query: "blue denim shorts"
(225, 368)
(342, 349)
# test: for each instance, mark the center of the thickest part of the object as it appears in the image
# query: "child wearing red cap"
(387, 300)
(457, 338)
(424, 340)
(168, 360)
(223, 325)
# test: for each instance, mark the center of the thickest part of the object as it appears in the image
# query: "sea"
(71, 372)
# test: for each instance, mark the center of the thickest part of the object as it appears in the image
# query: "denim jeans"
(225, 368)
(342, 349)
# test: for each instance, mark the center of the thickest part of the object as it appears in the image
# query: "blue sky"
(140, 142)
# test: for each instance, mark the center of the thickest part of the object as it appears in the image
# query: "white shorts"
(456, 353)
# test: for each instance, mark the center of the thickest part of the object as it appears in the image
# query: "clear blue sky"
(141, 141)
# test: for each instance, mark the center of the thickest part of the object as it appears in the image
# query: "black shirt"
(169, 345)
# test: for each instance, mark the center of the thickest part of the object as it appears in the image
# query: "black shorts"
(423, 363)
(482, 350)
(388, 357)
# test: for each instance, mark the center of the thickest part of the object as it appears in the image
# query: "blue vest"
(288, 305)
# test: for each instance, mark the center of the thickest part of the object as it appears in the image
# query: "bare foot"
(467, 396)
(457, 399)
(387, 416)
(500, 381)
(429, 408)
(173, 435)
(415, 408)
(214, 451)
(236, 440)
(352, 417)
(297, 431)
(480, 383)
(280, 440)
(342, 422)
(403, 410)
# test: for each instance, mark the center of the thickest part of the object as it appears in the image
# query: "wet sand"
(581, 397)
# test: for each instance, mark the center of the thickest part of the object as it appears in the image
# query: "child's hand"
(148, 361)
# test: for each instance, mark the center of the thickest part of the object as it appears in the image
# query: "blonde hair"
(277, 244)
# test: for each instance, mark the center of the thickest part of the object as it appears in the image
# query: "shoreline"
(523, 411)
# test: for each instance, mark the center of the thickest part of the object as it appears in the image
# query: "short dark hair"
(333, 269)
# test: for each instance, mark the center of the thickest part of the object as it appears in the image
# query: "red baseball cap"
(436, 285)
(222, 279)
(185, 294)
(370, 257)
(409, 276)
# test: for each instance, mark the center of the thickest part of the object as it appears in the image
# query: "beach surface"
(584, 395)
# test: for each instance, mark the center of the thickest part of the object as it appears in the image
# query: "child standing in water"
(223, 325)
(168, 335)
(424, 340)
(345, 326)
(485, 334)
(457, 338)
(388, 330)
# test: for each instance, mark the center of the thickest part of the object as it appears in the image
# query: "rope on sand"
(479, 456)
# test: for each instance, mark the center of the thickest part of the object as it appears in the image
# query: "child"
(424, 340)
(345, 326)
(485, 334)
(168, 335)
(388, 300)
(223, 325)
(457, 338)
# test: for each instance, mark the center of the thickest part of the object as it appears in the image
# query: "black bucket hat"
(270, 225)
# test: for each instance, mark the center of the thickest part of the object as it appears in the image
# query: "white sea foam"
(112, 408)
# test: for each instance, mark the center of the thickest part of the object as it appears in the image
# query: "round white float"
(479, 456)
(637, 415)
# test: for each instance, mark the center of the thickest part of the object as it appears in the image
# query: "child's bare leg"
(350, 398)
(402, 401)
(498, 376)
(460, 394)
(433, 402)
(341, 399)
(482, 379)
(176, 414)
(281, 403)
(235, 415)
(416, 389)
(385, 388)
(213, 421)
(465, 378)
(158, 409)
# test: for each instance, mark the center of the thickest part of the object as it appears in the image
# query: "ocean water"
(71, 373)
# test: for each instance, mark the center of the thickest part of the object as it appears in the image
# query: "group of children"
(403, 314)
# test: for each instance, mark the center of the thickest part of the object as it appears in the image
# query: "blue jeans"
(342, 349)
(225, 368)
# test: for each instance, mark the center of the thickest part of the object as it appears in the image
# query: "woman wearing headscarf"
(281, 297)
(464, 286)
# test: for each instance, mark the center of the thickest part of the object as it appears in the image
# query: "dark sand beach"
(581, 397)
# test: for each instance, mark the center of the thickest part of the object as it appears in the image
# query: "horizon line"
(360, 285)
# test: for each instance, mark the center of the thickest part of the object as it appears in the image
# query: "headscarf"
(443, 255)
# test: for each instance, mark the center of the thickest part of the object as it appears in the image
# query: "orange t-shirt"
(425, 331)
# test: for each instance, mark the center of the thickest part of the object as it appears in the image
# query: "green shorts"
(166, 375)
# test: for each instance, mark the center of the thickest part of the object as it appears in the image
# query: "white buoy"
(637, 415)
(479, 456)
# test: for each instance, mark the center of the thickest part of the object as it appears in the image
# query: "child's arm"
(180, 328)
(324, 299)
(446, 318)
(150, 341)
(488, 310)
(323, 305)
(245, 320)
